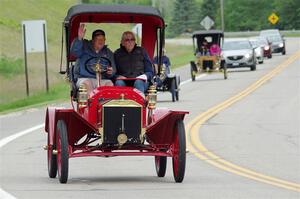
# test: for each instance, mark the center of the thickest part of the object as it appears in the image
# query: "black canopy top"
(116, 9)
(208, 32)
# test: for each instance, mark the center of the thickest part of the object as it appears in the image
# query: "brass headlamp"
(82, 96)
(152, 97)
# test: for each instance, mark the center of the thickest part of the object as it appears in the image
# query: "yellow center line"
(199, 150)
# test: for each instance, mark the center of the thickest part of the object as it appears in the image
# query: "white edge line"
(4, 141)
(8, 139)
(189, 80)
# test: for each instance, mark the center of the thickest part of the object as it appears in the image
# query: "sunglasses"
(127, 40)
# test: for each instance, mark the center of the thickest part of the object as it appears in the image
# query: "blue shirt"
(86, 55)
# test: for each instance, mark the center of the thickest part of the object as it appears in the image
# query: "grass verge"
(59, 92)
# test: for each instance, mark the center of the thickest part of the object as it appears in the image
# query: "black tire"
(283, 52)
(160, 165)
(179, 155)
(270, 56)
(63, 151)
(253, 67)
(173, 89)
(177, 82)
(193, 76)
(177, 95)
(225, 71)
(51, 159)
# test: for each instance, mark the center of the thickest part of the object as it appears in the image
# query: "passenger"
(132, 61)
(87, 54)
(165, 61)
(204, 50)
(215, 50)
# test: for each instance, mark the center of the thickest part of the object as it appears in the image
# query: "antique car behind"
(168, 82)
(207, 63)
(112, 120)
(238, 53)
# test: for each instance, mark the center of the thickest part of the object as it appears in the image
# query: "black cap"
(98, 32)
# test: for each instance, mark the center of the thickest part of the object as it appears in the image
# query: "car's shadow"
(238, 70)
(120, 180)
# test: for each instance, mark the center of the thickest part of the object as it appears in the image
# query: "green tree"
(244, 15)
(184, 17)
(288, 12)
(210, 8)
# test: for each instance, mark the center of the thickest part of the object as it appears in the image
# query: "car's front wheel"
(62, 151)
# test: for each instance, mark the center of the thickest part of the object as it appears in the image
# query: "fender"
(162, 128)
(50, 123)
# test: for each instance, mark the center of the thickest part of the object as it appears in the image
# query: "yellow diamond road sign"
(273, 18)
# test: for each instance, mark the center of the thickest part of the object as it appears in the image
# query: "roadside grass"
(57, 93)
(10, 67)
(179, 55)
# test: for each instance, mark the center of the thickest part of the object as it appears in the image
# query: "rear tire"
(62, 151)
(179, 153)
(173, 89)
(177, 82)
(160, 165)
(225, 72)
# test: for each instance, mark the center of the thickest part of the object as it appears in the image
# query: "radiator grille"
(112, 124)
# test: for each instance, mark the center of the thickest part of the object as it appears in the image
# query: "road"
(259, 132)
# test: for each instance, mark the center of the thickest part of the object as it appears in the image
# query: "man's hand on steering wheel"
(90, 68)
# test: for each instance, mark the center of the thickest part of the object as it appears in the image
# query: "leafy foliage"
(185, 17)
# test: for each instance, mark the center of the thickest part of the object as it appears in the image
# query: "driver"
(88, 53)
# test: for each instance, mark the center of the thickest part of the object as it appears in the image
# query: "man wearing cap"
(88, 53)
(132, 61)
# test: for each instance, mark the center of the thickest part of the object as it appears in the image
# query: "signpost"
(35, 40)
(273, 18)
(207, 23)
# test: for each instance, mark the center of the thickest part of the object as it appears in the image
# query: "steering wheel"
(90, 64)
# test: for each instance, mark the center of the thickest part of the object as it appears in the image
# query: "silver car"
(258, 49)
(239, 53)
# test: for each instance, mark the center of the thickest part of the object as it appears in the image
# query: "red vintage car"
(115, 121)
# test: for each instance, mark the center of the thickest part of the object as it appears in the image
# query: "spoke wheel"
(51, 159)
(160, 165)
(173, 90)
(179, 152)
(193, 70)
(62, 151)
